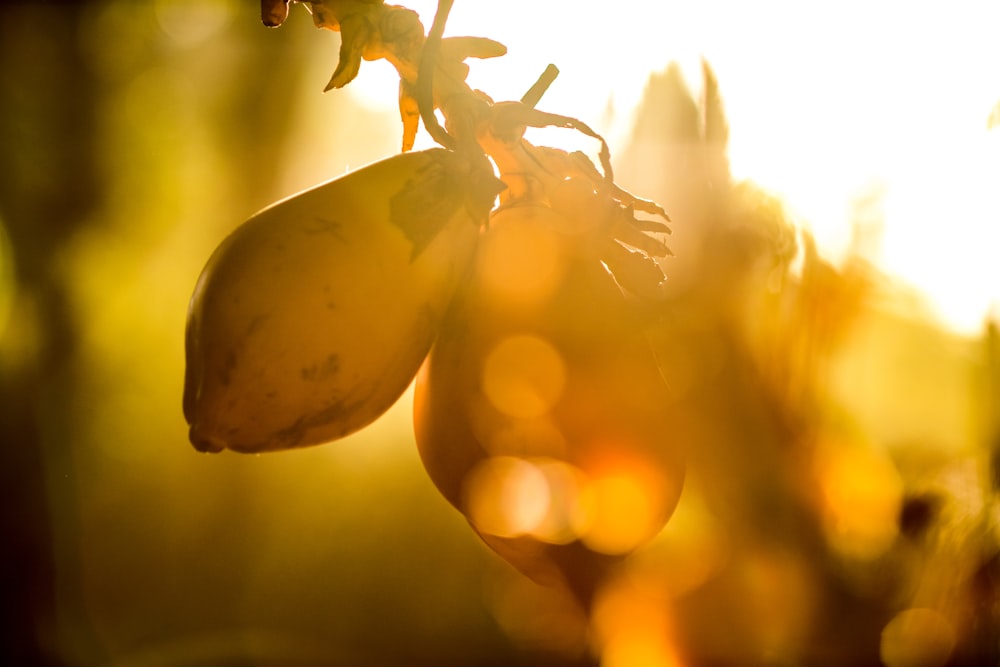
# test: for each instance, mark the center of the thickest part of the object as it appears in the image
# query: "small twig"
(425, 77)
(539, 88)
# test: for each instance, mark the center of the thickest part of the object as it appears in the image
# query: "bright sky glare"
(825, 102)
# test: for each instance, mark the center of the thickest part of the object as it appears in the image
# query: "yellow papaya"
(312, 317)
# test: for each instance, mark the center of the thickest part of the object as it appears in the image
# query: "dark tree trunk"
(49, 185)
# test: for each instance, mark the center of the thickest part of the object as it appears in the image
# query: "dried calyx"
(433, 74)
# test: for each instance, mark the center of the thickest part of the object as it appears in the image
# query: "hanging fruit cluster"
(511, 277)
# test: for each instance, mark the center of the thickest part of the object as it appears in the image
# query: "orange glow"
(521, 261)
(524, 376)
(917, 638)
(638, 649)
(623, 506)
(566, 511)
(507, 497)
(555, 502)
(632, 629)
(543, 498)
(863, 494)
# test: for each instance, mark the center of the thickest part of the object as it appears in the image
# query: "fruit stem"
(425, 77)
(534, 94)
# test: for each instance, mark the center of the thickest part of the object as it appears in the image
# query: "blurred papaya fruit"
(541, 413)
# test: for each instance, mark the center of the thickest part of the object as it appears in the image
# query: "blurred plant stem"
(63, 154)
(51, 185)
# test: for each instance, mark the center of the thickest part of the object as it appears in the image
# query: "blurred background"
(829, 341)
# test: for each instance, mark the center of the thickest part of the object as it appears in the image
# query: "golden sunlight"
(623, 500)
(863, 494)
(507, 496)
(524, 376)
(566, 485)
(825, 107)
(801, 467)
(522, 262)
(633, 629)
